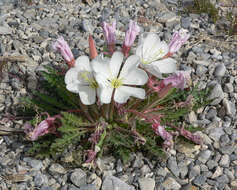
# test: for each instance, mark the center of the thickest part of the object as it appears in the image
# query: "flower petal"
(136, 77)
(131, 63)
(105, 95)
(87, 95)
(71, 75)
(123, 93)
(73, 87)
(83, 64)
(152, 69)
(101, 65)
(115, 63)
(166, 65)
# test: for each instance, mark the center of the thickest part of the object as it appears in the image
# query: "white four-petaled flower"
(119, 78)
(152, 53)
(79, 79)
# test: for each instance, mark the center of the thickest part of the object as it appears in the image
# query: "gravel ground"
(211, 56)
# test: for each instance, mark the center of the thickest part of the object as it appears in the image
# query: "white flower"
(79, 79)
(112, 78)
(152, 52)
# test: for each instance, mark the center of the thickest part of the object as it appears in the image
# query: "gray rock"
(200, 180)
(211, 164)
(146, 183)
(30, 13)
(36, 164)
(204, 156)
(46, 188)
(225, 161)
(171, 184)
(186, 22)
(229, 87)
(216, 133)
(220, 70)
(229, 107)
(228, 149)
(40, 179)
(88, 187)
(57, 169)
(183, 169)
(119, 166)
(201, 70)
(161, 172)
(87, 26)
(4, 30)
(211, 114)
(78, 177)
(223, 179)
(112, 182)
(216, 94)
(172, 165)
(194, 171)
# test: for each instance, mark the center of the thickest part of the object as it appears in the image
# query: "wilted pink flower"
(130, 37)
(188, 135)
(62, 46)
(178, 79)
(49, 125)
(178, 39)
(109, 34)
(166, 136)
(91, 155)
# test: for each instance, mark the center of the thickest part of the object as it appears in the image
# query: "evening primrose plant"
(115, 101)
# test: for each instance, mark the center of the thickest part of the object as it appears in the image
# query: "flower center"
(85, 75)
(115, 83)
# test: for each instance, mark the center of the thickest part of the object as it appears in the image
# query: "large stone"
(112, 182)
(146, 183)
(172, 165)
(171, 184)
(78, 177)
(57, 169)
(216, 94)
(5, 30)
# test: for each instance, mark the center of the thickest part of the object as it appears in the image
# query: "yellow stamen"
(115, 83)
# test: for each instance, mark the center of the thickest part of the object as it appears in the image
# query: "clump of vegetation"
(203, 6)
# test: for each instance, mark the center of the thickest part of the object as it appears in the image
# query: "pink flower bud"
(178, 39)
(62, 46)
(130, 37)
(109, 32)
(178, 79)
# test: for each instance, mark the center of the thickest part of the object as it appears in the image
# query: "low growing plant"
(118, 100)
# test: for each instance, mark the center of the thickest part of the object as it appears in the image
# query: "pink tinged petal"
(178, 79)
(178, 39)
(123, 93)
(131, 34)
(62, 46)
(115, 63)
(87, 95)
(166, 65)
(109, 32)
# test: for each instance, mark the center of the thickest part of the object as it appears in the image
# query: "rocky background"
(29, 28)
